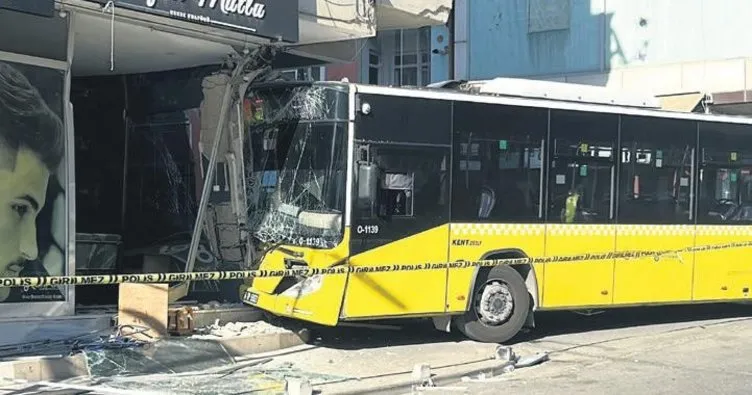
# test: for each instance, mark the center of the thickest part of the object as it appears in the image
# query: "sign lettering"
(275, 19)
(249, 8)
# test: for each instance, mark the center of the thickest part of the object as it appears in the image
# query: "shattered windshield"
(295, 155)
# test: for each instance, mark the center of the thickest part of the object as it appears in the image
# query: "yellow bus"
(342, 174)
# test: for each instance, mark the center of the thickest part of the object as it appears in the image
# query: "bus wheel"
(499, 306)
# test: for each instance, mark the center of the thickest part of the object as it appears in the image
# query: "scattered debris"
(95, 340)
(298, 386)
(233, 329)
(422, 379)
(246, 378)
(240, 366)
(163, 356)
(180, 321)
(531, 360)
(510, 362)
(422, 376)
(505, 354)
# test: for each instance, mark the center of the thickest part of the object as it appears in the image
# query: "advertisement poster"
(32, 171)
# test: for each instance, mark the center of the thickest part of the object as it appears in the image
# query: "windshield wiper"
(277, 246)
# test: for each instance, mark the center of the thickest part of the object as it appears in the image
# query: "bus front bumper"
(316, 299)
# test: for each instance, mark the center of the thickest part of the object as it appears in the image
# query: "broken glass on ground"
(262, 379)
(164, 356)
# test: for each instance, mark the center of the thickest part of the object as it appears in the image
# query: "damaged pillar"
(222, 188)
(222, 225)
(219, 218)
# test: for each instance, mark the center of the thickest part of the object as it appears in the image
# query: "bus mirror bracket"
(369, 175)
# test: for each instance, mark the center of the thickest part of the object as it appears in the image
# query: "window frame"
(300, 73)
(553, 156)
(525, 126)
(715, 133)
(374, 66)
(422, 55)
(693, 171)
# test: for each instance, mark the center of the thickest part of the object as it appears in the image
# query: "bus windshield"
(295, 161)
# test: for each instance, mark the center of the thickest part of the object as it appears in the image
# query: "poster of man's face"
(32, 203)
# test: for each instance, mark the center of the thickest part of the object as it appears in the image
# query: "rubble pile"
(233, 329)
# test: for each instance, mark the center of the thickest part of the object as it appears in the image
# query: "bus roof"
(450, 91)
(552, 90)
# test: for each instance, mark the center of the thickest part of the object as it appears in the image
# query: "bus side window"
(582, 167)
(725, 168)
(498, 161)
(414, 182)
(656, 170)
(398, 190)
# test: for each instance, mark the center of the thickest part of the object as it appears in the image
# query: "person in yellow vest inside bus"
(570, 212)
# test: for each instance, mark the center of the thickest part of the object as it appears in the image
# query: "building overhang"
(127, 40)
(410, 14)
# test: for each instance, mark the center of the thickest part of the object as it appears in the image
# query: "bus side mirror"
(368, 184)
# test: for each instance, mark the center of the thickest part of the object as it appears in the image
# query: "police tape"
(149, 278)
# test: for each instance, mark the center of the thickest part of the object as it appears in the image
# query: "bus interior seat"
(487, 202)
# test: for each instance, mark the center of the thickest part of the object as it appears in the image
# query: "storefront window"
(374, 65)
(33, 216)
(314, 73)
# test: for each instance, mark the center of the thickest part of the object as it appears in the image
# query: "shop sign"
(274, 19)
(44, 8)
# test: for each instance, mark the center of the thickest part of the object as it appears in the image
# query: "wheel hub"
(495, 303)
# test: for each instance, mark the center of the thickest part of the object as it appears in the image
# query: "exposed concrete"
(247, 338)
(44, 368)
(21, 331)
(256, 344)
(202, 318)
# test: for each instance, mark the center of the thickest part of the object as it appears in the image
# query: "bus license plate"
(250, 297)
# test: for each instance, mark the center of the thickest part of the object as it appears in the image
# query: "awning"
(682, 102)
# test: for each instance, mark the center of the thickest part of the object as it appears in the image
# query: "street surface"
(666, 350)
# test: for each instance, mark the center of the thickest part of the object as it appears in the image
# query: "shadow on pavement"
(564, 322)
(547, 324)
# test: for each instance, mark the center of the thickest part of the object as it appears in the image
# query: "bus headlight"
(305, 287)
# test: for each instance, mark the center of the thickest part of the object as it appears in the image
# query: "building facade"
(660, 47)
(399, 57)
(108, 111)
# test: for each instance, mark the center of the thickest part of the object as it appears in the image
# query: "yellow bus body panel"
(701, 276)
(478, 240)
(722, 274)
(579, 283)
(404, 292)
(647, 280)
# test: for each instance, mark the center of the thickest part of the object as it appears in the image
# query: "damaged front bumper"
(315, 299)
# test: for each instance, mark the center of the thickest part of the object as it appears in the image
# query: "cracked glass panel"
(295, 153)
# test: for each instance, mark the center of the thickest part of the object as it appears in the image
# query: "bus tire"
(499, 306)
